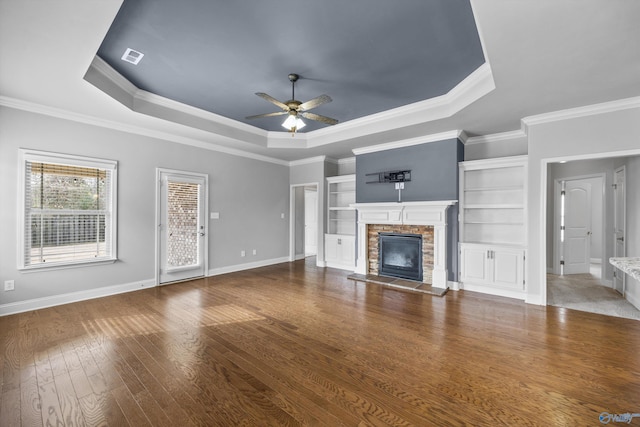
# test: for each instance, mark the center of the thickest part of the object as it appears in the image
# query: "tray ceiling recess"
(207, 59)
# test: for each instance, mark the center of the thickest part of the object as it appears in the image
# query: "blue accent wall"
(434, 176)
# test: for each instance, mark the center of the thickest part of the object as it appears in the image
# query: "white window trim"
(82, 161)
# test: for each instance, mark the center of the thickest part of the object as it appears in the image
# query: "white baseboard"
(596, 260)
(247, 266)
(45, 302)
(454, 286)
(494, 291)
(298, 257)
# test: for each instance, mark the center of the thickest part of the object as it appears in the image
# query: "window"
(69, 210)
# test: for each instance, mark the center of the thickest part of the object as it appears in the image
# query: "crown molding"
(496, 137)
(106, 70)
(308, 161)
(584, 111)
(454, 134)
(474, 86)
(137, 130)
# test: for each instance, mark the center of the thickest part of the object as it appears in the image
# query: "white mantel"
(407, 213)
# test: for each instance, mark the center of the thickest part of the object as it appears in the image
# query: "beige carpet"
(585, 293)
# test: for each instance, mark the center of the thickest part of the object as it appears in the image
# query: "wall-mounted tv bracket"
(397, 177)
(389, 176)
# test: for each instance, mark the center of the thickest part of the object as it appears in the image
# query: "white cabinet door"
(474, 262)
(340, 251)
(508, 268)
(330, 248)
(347, 250)
(495, 270)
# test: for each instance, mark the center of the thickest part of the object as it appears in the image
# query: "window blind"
(68, 213)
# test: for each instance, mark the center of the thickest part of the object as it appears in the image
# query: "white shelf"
(341, 217)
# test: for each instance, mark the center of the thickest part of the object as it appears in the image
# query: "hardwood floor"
(293, 344)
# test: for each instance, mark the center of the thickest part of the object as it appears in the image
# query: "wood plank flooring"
(293, 344)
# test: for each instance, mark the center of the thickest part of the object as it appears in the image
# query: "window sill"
(65, 266)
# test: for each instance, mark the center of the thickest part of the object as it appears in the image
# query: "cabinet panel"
(331, 248)
(474, 266)
(340, 251)
(508, 268)
(492, 269)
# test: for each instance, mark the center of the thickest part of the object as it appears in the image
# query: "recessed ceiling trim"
(443, 136)
(472, 88)
(475, 86)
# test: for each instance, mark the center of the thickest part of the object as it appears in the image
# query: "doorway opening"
(581, 212)
(304, 221)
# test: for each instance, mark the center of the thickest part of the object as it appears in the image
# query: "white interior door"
(619, 206)
(310, 222)
(577, 227)
(182, 226)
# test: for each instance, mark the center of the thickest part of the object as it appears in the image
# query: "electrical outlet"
(9, 285)
(243, 253)
(255, 252)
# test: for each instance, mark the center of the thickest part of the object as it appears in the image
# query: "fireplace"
(428, 219)
(400, 256)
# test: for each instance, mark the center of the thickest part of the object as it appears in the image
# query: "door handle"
(620, 238)
(201, 233)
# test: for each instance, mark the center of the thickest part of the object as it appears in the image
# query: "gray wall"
(249, 194)
(434, 172)
(434, 176)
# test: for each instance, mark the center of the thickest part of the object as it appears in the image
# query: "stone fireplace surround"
(383, 215)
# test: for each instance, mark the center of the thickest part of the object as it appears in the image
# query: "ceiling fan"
(295, 108)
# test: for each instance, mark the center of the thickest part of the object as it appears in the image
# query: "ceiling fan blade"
(315, 102)
(273, 100)
(319, 118)
(277, 113)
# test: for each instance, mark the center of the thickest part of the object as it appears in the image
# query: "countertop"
(631, 266)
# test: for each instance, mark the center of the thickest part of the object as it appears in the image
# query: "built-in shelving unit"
(493, 199)
(341, 222)
(342, 194)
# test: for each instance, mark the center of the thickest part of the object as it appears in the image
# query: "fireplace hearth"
(400, 256)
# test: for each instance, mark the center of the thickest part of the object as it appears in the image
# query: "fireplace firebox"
(400, 256)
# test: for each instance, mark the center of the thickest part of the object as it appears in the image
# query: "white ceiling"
(544, 55)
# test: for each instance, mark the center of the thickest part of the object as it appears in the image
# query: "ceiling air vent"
(132, 56)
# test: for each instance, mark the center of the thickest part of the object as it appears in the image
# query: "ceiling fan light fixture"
(293, 123)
